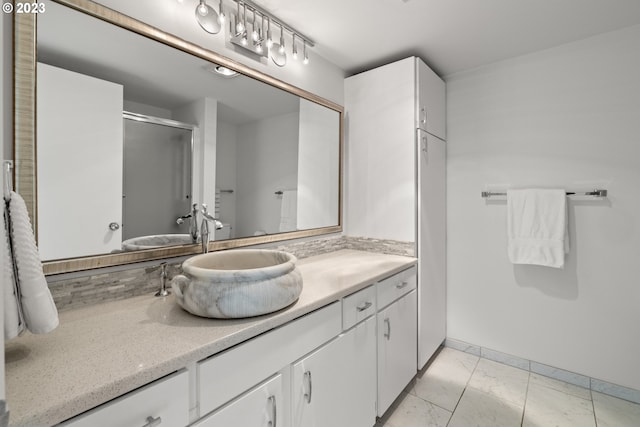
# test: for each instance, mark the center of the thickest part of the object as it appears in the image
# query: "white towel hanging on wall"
(537, 228)
(39, 310)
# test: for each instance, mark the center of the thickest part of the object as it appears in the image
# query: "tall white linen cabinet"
(396, 177)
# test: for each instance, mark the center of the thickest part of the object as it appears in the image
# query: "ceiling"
(450, 35)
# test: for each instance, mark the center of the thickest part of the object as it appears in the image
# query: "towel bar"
(8, 179)
(594, 193)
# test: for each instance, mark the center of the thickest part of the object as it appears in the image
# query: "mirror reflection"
(132, 133)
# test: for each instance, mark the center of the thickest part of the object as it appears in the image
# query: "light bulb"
(305, 61)
(269, 39)
(239, 25)
(254, 34)
(294, 49)
(281, 48)
(202, 9)
(221, 15)
(259, 48)
(244, 40)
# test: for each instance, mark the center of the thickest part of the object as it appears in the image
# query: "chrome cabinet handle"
(387, 334)
(307, 376)
(113, 226)
(274, 412)
(153, 422)
(364, 306)
(423, 113)
(402, 285)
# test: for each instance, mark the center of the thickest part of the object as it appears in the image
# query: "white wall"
(267, 158)
(319, 76)
(226, 172)
(566, 117)
(204, 114)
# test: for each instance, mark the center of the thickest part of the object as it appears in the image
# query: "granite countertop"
(103, 351)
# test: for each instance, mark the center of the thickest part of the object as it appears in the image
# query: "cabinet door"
(431, 107)
(397, 348)
(259, 407)
(335, 385)
(431, 245)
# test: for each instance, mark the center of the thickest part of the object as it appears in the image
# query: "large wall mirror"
(121, 129)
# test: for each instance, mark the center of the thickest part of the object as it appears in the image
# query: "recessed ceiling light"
(222, 71)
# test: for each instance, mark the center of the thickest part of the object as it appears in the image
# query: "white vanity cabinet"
(335, 385)
(397, 330)
(164, 402)
(259, 407)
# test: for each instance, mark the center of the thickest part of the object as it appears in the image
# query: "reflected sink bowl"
(238, 283)
(156, 241)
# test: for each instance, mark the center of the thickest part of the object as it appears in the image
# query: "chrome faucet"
(163, 292)
(193, 222)
(204, 227)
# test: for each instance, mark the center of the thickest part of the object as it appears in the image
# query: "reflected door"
(79, 161)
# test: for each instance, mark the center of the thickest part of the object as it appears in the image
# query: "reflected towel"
(537, 228)
(40, 313)
(13, 321)
(288, 210)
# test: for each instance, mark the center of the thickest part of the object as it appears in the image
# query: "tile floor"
(458, 389)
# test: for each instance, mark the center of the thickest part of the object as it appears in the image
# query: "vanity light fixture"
(259, 41)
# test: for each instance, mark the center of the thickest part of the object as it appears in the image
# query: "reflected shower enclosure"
(157, 175)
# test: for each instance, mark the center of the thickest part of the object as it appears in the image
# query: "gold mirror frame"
(25, 133)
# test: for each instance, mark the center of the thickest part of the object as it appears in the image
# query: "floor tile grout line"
(526, 397)
(466, 384)
(593, 405)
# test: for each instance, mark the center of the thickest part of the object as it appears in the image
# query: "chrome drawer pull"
(402, 285)
(387, 334)
(307, 376)
(364, 306)
(153, 422)
(272, 400)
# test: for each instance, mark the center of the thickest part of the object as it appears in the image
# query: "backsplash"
(74, 292)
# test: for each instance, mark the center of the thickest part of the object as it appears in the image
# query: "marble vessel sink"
(156, 241)
(238, 283)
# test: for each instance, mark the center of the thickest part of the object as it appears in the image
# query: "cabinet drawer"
(394, 287)
(261, 406)
(228, 374)
(358, 307)
(165, 400)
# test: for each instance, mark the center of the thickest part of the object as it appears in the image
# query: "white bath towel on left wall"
(38, 308)
(537, 228)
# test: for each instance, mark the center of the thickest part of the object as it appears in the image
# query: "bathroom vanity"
(338, 356)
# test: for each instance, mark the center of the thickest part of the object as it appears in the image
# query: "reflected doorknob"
(113, 226)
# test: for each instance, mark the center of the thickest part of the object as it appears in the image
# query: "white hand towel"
(40, 313)
(537, 228)
(13, 321)
(288, 210)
